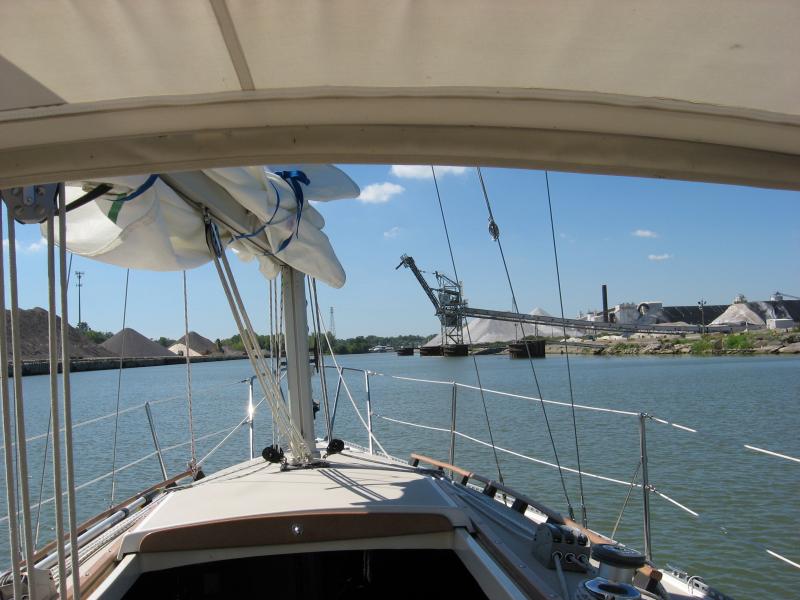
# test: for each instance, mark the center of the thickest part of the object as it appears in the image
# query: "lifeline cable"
(566, 351)
(495, 233)
(469, 335)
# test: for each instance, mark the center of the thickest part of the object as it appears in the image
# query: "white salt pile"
(489, 331)
(737, 314)
(198, 345)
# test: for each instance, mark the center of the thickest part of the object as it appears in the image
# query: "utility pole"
(332, 325)
(702, 303)
(79, 285)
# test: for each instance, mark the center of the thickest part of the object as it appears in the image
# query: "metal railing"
(646, 485)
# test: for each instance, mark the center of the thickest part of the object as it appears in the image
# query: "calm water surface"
(730, 401)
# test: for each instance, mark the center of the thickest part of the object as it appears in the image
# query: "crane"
(782, 295)
(448, 301)
(451, 307)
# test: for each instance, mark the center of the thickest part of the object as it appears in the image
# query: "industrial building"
(776, 313)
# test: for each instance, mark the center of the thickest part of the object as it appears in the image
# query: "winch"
(551, 542)
(614, 580)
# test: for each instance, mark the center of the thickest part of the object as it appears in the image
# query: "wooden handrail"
(521, 502)
(418, 458)
(491, 487)
(48, 548)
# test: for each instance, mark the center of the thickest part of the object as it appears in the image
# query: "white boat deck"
(357, 502)
(353, 483)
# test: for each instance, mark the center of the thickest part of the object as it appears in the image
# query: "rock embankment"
(760, 342)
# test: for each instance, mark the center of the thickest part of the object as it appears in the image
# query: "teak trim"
(48, 548)
(521, 502)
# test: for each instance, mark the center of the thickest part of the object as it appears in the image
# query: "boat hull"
(528, 348)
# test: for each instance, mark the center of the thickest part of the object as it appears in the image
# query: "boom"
(449, 312)
(408, 261)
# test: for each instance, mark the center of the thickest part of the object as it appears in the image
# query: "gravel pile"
(198, 345)
(34, 338)
(135, 345)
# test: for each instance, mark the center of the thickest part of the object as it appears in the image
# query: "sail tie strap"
(252, 234)
(294, 178)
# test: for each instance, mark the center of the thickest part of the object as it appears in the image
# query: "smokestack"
(605, 303)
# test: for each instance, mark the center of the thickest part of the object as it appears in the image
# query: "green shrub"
(702, 346)
(738, 341)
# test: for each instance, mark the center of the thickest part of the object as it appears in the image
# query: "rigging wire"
(469, 335)
(9, 434)
(53, 346)
(566, 351)
(270, 285)
(627, 497)
(494, 231)
(41, 480)
(66, 388)
(119, 390)
(269, 386)
(19, 405)
(323, 380)
(193, 463)
(343, 381)
(47, 436)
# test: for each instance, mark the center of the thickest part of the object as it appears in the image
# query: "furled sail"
(149, 222)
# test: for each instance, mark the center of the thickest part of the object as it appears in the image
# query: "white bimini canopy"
(706, 91)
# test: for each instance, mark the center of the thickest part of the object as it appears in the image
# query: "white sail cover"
(142, 223)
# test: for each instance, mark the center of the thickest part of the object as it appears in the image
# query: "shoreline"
(32, 367)
(715, 344)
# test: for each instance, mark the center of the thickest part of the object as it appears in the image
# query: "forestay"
(144, 223)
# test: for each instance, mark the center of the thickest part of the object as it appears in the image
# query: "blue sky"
(647, 239)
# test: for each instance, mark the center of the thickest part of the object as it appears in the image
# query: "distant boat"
(381, 349)
(405, 351)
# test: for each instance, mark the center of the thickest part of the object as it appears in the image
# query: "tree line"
(355, 345)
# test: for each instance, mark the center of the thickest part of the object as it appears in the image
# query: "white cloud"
(644, 233)
(424, 171)
(41, 244)
(31, 248)
(659, 257)
(392, 233)
(378, 193)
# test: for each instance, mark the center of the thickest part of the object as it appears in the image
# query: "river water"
(747, 501)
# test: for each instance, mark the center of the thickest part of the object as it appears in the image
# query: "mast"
(298, 373)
